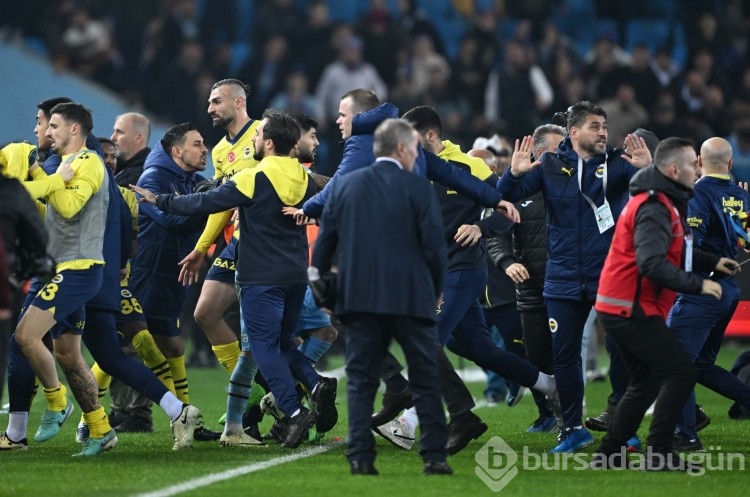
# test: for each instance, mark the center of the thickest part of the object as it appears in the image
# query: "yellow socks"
(97, 422)
(102, 380)
(56, 399)
(144, 344)
(228, 355)
(179, 375)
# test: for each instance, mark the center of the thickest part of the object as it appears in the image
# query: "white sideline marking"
(212, 478)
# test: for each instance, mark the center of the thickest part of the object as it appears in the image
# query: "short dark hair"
(175, 136)
(234, 82)
(670, 149)
(424, 118)
(71, 111)
(271, 111)
(105, 141)
(579, 111)
(363, 99)
(46, 105)
(306, 123)
(284, 131)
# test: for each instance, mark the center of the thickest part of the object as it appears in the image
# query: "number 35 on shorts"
(129, 303)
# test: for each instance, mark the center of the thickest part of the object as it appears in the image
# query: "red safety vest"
(621, 285)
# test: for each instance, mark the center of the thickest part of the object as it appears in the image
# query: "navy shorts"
(66, 295)
(130, 308)
(223, 268)
(163, 327)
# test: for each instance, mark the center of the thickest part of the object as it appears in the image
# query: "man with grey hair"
(522, 256)
(131, 133)
(390, 289)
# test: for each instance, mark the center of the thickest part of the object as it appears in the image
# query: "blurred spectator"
(385, 41)
(604, 67)
(553, 46)
(416, 21)
(348, 72)
(740, 141)
(265, 73)
(469, 76)
(87, 47)
(693, 91)
(715, 112)
(423, 61)
(483, 33)
(641, 77)
(172, 92)
(296, 96)
(518, 93)
(277, 18)
(624, 114)
(316, 51)
(664, 68)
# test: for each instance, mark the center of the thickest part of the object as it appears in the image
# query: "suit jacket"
(392, 254)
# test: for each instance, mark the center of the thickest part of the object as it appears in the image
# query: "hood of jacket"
(159, 158)
(650, 178)
(366, 122)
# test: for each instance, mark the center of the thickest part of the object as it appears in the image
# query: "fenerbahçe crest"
(57, 278)
(599, 171)
(552, 325)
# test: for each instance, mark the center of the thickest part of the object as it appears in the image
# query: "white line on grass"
(212, 478)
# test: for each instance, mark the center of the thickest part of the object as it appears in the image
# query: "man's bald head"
(487, 156)
(716, 156)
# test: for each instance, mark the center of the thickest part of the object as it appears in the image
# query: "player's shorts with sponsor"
(223, 267)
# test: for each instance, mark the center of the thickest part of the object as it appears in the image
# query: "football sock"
(179, 375)
(227, 355)
(171, 405)
(56, 399)
(314, 348)
(240, 385)
(144, 344)
(97, 422)
(545, 384)
(18, 424)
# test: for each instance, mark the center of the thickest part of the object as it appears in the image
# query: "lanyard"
(604, 181)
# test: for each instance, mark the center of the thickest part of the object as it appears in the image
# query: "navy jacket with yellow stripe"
(272, 248)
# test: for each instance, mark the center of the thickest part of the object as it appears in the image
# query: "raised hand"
(639, 153)
(520, 162)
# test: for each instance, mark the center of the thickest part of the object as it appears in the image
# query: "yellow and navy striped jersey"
(229, 157)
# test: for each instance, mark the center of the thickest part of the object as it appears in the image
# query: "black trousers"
(660, 369)
(457, 397)
(367, 342)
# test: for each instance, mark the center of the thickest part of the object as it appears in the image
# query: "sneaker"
(297, 427)
(324, 401)
(313, 436)
(573, 439)
(397, 432)
(436, 468)
(183, 428)
(52, 421)
(633, 444)
(543, 424)
(82, 432)
(94, 446)
(240, 439)
(277, 432)
(8, 444)
(598, 423)
(268, 406)
(135, 424)
(671, 462)
(515, 393)
(682, 443)
(701, 418)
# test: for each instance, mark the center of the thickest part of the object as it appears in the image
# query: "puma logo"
(569, 172)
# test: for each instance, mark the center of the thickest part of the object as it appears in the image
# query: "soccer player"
(271, 269)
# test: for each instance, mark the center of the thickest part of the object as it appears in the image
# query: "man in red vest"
(651, 258)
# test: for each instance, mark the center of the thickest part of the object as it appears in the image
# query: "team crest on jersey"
(248, 151)
(231, 156)
(57, 278)
(599, 171)
(126, 293)
(552, 325)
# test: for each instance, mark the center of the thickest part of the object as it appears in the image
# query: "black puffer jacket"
(528, 247)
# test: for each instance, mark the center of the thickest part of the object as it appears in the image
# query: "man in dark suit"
(391, 273)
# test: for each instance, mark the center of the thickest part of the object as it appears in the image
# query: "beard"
(221, 122)
(307, 156)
